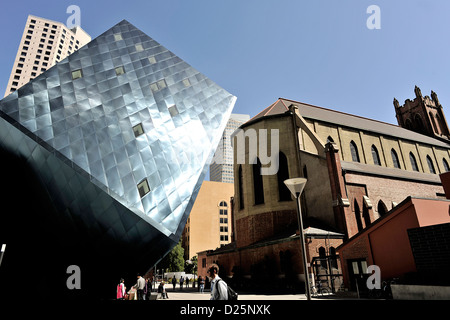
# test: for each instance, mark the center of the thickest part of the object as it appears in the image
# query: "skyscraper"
(105, 154)
(221, 169)
(44, 42)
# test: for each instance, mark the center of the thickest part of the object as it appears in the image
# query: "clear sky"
(318, 52)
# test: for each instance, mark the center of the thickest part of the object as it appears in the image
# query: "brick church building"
(358, 170)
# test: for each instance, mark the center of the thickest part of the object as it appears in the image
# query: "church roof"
(312, 112)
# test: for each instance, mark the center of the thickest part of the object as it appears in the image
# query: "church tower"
(423, 115)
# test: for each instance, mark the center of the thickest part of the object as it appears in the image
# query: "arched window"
(445, 163)
(419, 123)
(323, 257)
(366, 215)
(358, 216)
(354, 151)
(258, 188)
(381, 208)
(375, 156)
(395, 160)
(430, 165)
(241, 189)
(223, 204)
(408, 124)
(433, 122)
(412, 158)
(333, 258)
(283, 174)
(223, 208)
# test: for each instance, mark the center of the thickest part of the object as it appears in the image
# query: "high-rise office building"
(44, 42)
(221, 169)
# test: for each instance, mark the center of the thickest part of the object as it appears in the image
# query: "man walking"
(218, 286)
(140, 284)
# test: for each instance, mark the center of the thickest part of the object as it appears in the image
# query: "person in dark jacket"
(162, 291)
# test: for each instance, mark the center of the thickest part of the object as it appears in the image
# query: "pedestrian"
(201, 284)
(162, 291)
(121, 290)
(218, 286)
(174, 282)
(140, 284)
(181, 282)
(147, 289)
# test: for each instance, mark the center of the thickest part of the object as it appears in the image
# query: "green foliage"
(174, 261)
(191, 267)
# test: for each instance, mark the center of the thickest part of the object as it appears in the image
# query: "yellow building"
(209, 225)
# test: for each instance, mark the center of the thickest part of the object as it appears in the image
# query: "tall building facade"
(44, 42)
(221, 170)
(209, 225)
(103, 156)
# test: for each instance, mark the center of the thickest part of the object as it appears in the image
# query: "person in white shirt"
(140, 287)
(218, 286)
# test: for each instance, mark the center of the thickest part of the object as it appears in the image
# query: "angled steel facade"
(118, 135)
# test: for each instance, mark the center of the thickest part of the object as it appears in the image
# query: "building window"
(120, 70)
(395, 160)
(430, 165)
(358, 216)
(186, 82)
(143, 188)
(139, 47)
(381, 208)
(173, 110)
(375, 156)
(118, 36)
(223, 220)
(159, 85)
(413, 161)
(77, 74)
(240, 187)
(446, 167)
(152, 60)
(283, 174)
(138, 130)
(258, 188)
(354, 151)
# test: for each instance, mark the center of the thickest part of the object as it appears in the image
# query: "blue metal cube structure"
(102, 158)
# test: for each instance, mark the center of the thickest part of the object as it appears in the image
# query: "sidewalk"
(192, 294)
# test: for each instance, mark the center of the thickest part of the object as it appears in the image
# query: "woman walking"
(120, 292)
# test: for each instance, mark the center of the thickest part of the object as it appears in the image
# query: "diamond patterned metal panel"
(127, 78)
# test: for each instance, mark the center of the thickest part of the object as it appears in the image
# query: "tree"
(174, 260)
(191, 267)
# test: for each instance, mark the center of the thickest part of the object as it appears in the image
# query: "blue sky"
(318, 52)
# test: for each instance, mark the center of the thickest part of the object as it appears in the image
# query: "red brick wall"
(360, 249)
(253, 228)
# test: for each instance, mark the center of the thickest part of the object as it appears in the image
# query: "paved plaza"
(193, 294)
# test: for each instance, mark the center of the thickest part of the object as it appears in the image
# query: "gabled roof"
(309, 111)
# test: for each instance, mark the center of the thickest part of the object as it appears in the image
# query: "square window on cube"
(120, 70)
(77, 74)
(138, 130)
(143, 188)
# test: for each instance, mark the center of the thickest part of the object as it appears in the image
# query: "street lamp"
(295, 186)
(2, 252)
